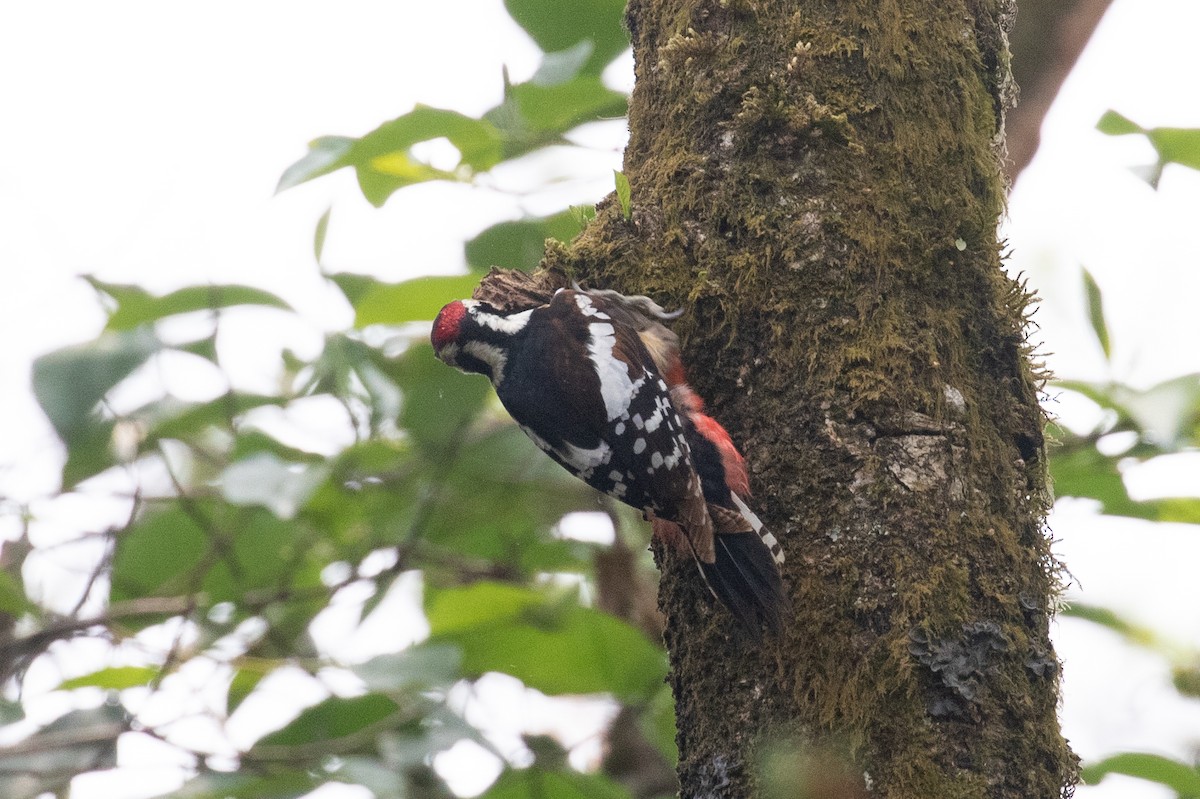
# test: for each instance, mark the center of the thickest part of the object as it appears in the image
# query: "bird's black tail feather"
(746, 580)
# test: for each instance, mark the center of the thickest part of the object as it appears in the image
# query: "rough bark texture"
(818, 183)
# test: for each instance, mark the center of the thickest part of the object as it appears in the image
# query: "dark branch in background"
(19, 651)
(1046, 42)
(623, 589)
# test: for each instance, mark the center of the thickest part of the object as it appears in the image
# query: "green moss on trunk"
(818, 183)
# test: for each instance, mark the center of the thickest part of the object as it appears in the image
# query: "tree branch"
(1047, 40)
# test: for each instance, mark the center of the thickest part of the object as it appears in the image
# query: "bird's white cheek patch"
(490, 354)
(447, 354)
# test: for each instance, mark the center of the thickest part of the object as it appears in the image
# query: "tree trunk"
(818, 184)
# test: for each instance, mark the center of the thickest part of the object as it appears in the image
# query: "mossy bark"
(818, 183)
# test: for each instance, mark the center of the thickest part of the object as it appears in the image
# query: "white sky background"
(141, 142)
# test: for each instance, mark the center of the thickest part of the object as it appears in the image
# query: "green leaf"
(89, 452)
(1131, 632)
(349, 368)
(319, 234)
(436, 730)
(210, 547)
(1088, 473)
(1179, 777)
(241, 686)
(558, 26)
(1185, 510)
(551, 644)
(205, 348)
(1085, 472)
(251, 442)
(564, 65)
(421, 667)
(260, 551)
(1186, 679)
(623, 196)
(1166, 415)
(380, 177)
(1167, 412)
(411, 301)
(188, 421)
(115, 678)
(658, 724)
(380, 779)
(240, 785)
(10, 712)
(13, 601)
(352, 286)
(1114, 124)
(370, 501)
(1173, 145)
(477, 141)
(265, 480)
(1177, 145)
(582, 214)
(539, 782)
(1095, 309)
(499, 502)
(439, 402)
(520, 244)
(70, 382)
(547, 112)
(155, 555)
(325, 155)
(382, 160)
(331, 719)
(136, 306)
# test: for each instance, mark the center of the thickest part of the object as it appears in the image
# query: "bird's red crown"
(447, 325)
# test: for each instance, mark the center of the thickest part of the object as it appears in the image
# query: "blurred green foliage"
(251, 538)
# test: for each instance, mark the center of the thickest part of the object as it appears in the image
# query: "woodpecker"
(595, 379)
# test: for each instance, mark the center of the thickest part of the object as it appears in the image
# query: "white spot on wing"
(584, 461)
(490, 354)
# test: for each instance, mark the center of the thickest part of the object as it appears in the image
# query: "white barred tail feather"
(756, 524)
